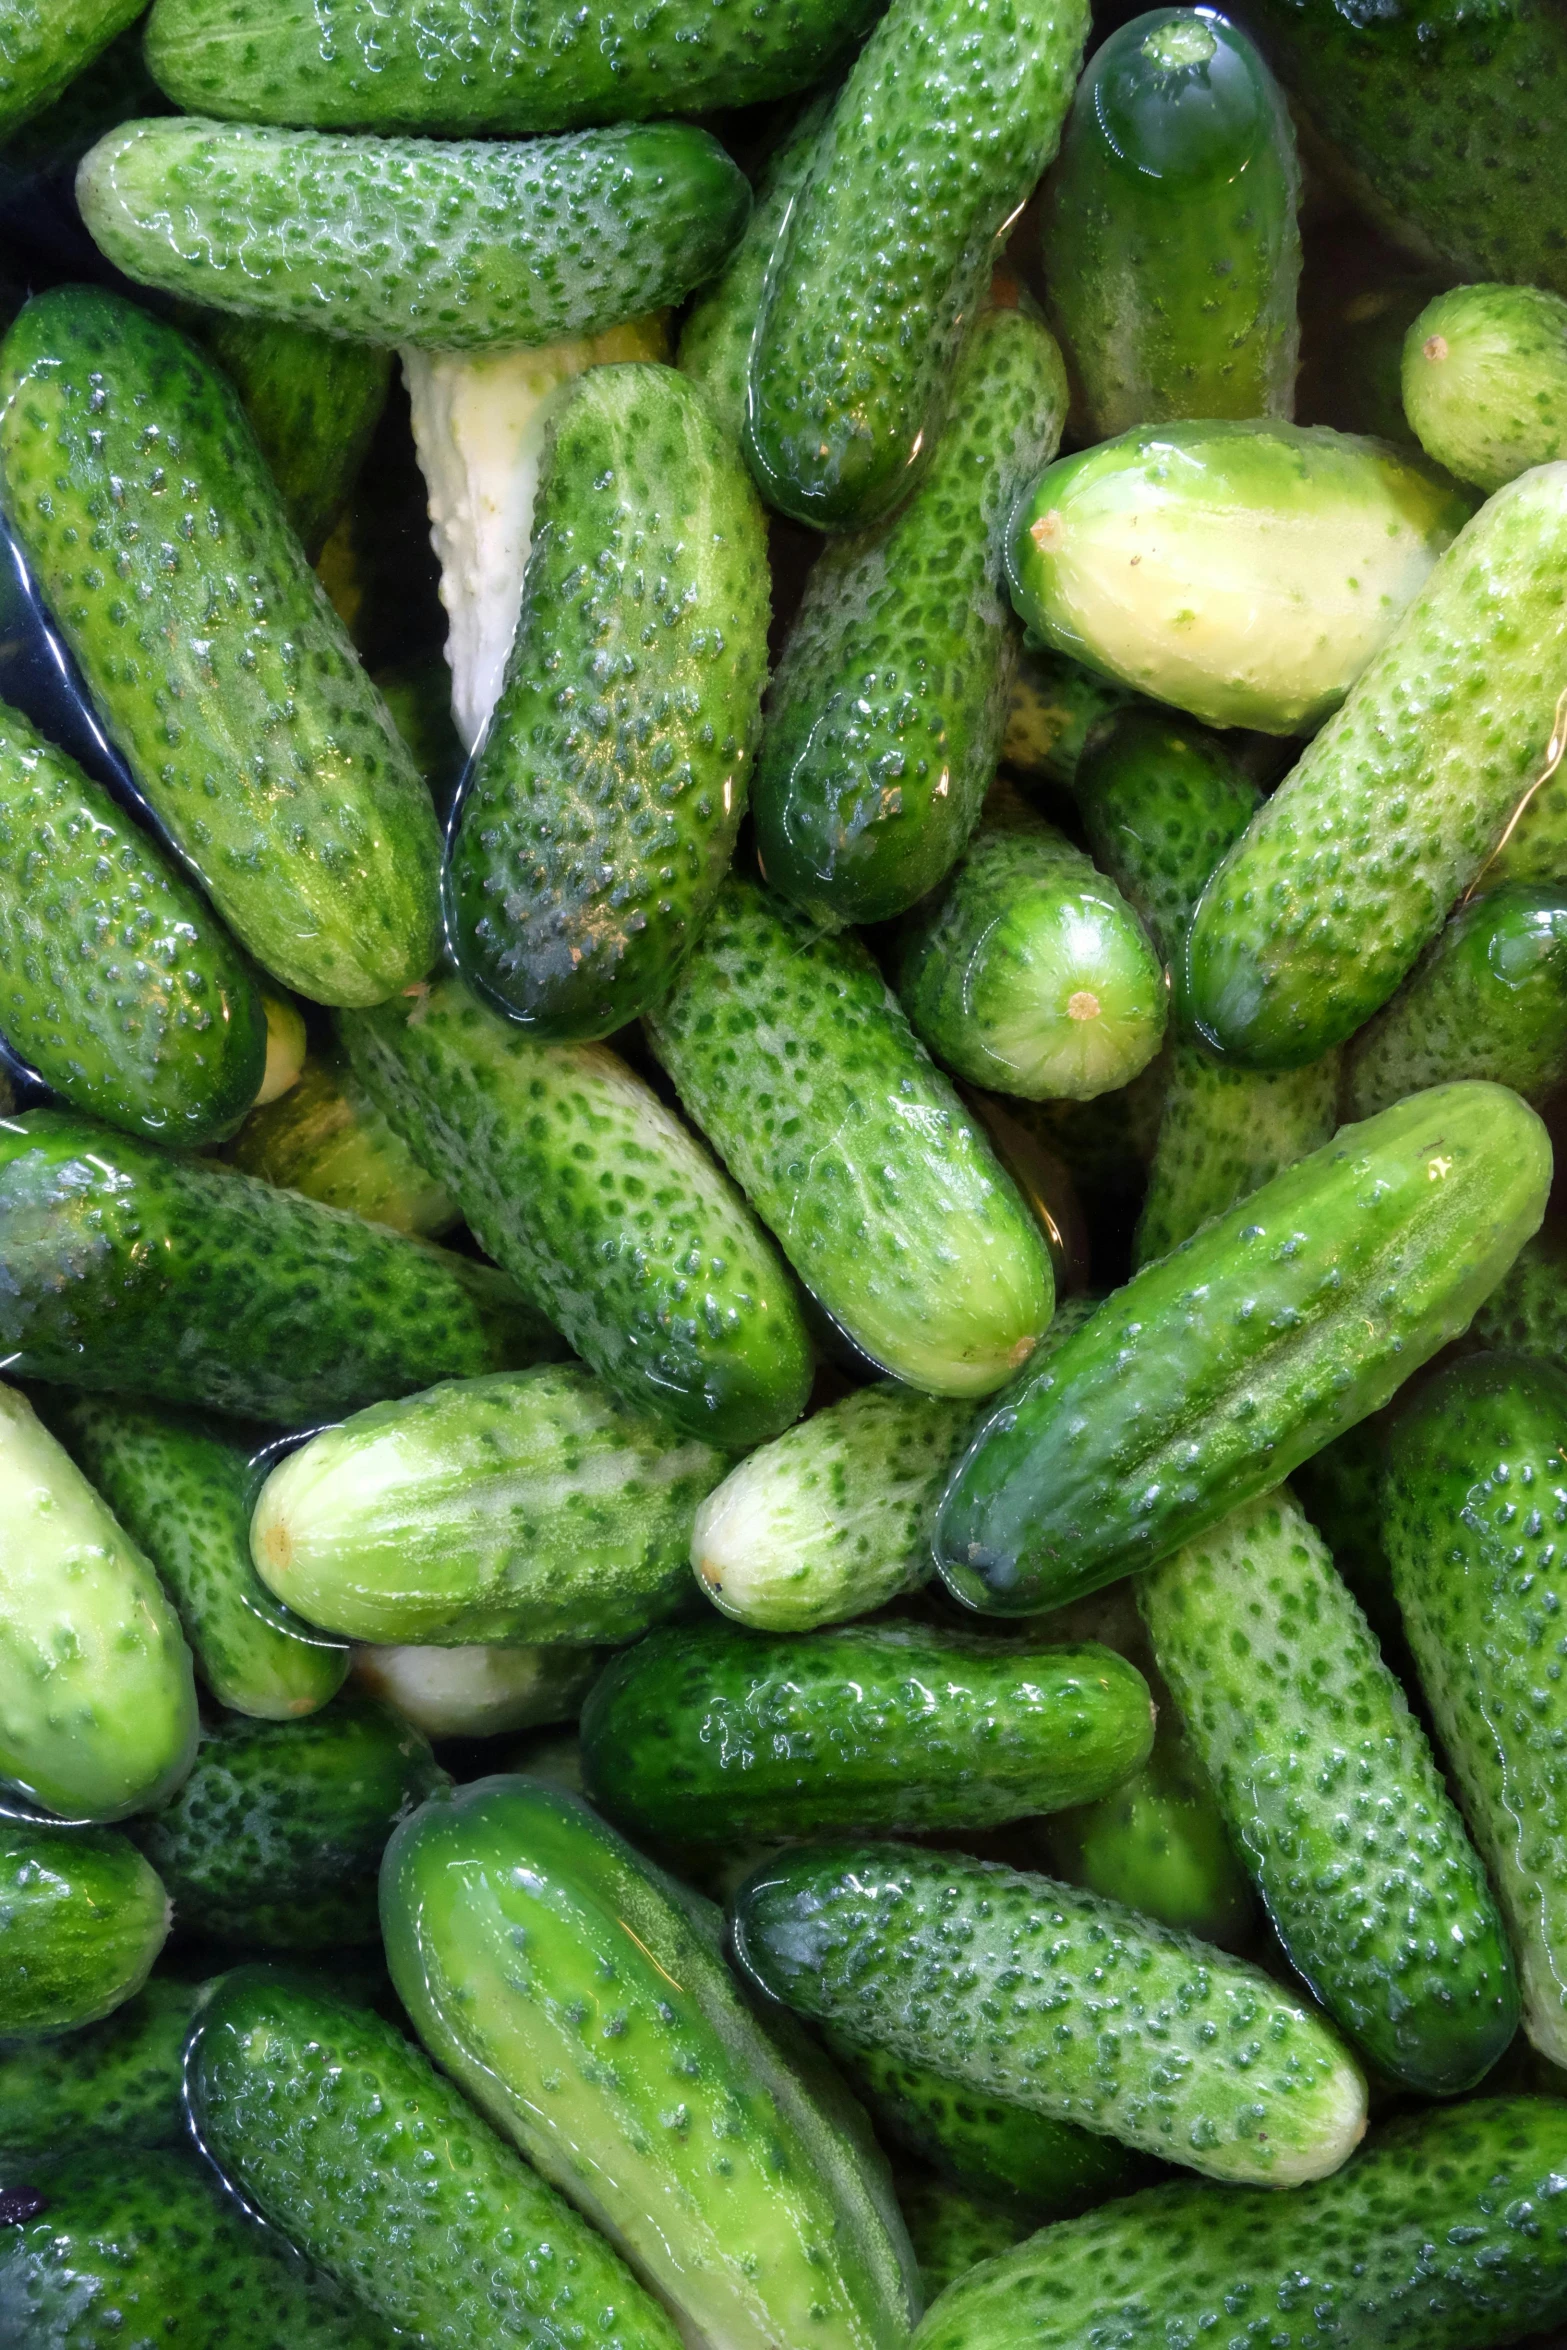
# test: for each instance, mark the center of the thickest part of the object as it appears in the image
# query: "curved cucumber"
(1161, 801)
(1225, 1132)
(249, 726)
(886, 712)
(479, 1692)
(82, 1917)
(313, 402)
(114, 2083)
(952, 2231)
(1219, 1368)
(1485, 381)
(45, 44)
(1168, 235)
(326, 1138)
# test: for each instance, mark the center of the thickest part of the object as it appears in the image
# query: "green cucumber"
(82, 1917)
(447, 245)
(787, 1049)
(1525, 1312)
(479, 1692)
(313, 402)
(274, 1840)
(576, 1178)
(1485, 381)
(137, 1273)
(45, 44)
(952, 2231)
(939, 134)
(210, 648)
(1168, 234)
(1333, 1799)
(1219, 1368)
(1246, 572)
(1021, 1989)
(342, 2135)
(1161, 801)
(1340, 1489)
(522, 1508)
(326, 1138)
(109, 2084)
(886, 712)
(577, 1995)
(97, 1700)
(1054, 706)
(1325, 903)
(601, 810)
(708, 1735)
(1225, 1132)
(183, 1490)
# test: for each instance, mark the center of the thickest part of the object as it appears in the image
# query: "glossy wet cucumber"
(82, 1917)
(326, 1138)
(1484, 381)
(1225, 1132)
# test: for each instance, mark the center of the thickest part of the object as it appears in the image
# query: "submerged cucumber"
(326, 1138)
(1485, 381)
(114, 2083)
(1225, 1132)
(45, 44)
(82, 1917)
(479, 1692)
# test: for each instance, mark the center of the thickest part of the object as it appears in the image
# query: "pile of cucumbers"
(783, 1344)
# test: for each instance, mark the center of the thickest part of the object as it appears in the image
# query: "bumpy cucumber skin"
(1525, 1312)
(45, 44)
(1161, 801)
(82, 1917)
(1485, 381)
(110, 2084)
(1443, 2234)
(326, 1138)
(512, 1509)
(1053, 707)
(1325, 903)
(1340, 1489)
(1168, 235)
(952, 2231)
(1225, 1132)
(601, 812)
(886, 713)
(1222, 1366)
(575, 1177)
(313, 402)
(211, 648)
(343, 2136)
(479, 1692)
(1040, 1995)
(789, 1052)
(571, 1997)
(461, 245)
(946, 121)
(183, 1490)
(709, 1735)
(1331, 1794)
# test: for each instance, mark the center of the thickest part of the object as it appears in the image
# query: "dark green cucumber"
(1340, 1489)
(159, 541)
(574, 1176)
(418, 694)
(578, 1996)
(952, 2231)
(886, 713)
(141, 1274)
(1485, 381)
(1525, 1312)
(45, 44)
(1054, 706)
(1220, 1367)
(313, 402)
(1225, 1132)
(82, 1917)
(1168, 234)
(110, 2084)
(326, 1138)
(600, 813)
(482, 1691)
(946, 121)
(1161, 801)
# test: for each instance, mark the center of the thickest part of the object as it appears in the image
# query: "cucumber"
(939, 134)
(479, 1692)
(134, 1272)
(1020, 1989)
(326, 1138)
(82, 1917)
(229, 685)
(97, 1700)
(274, 1840)
(952, 2231)
(1246, 572)
(1225, 1132)
(598, 819)
(313, 402)
(1168, 235)
(514, 1509)
(575, 1177)
(1485, 381)
(104, 2085)
(1161, 800)
(1325, 903)
(1440, 2236)
(1534, 845)
(460, 245)
(1026, 970)
(1340, 1489)
(1053, 708)
(1222, 1366)
(576, 1995)
(885, 715)
(182, 1489)
(118, 984)
(712, 1736)
(787, 1049)
(1331, 1795)
(1525, 1312)
(343, 2137)
(45, 44)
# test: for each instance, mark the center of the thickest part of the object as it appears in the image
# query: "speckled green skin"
(886, 713)
(787, 1049)
(313, 403)
(1331, 1794)
(114, 2083)
(1161, 801)
(1535, 847)
(1474, 1507)
(574, 1176)
(1168, 235)
(274, 1840)
(1340, 1489)
(140, 1274)
(601, 812)
(1445, 2234)
(579, 1998)
(1043, 1996)
(1485, 381)
(182, 1489)
(82, 1917)
(948, 117)
(211, 648)
(1225, 1132)
(45, 44)
(341, 2134)
(1324, 905)
(326, 1138)
(522, 1508)
(1053, 707)
(952, 2231)
(450, 245)
(1526, 1311)
(1220, 1367)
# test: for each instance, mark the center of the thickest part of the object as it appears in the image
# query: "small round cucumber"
(82, 1917)
(109, 2084)
(479, 1692)
(326, 1138)
(1485, 381)
(1161, 801)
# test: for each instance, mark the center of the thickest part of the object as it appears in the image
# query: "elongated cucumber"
(1225, 1132)
(82, 1917)
(313, 402)
(105, 2085)
(326, 1138)
(45, 44)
